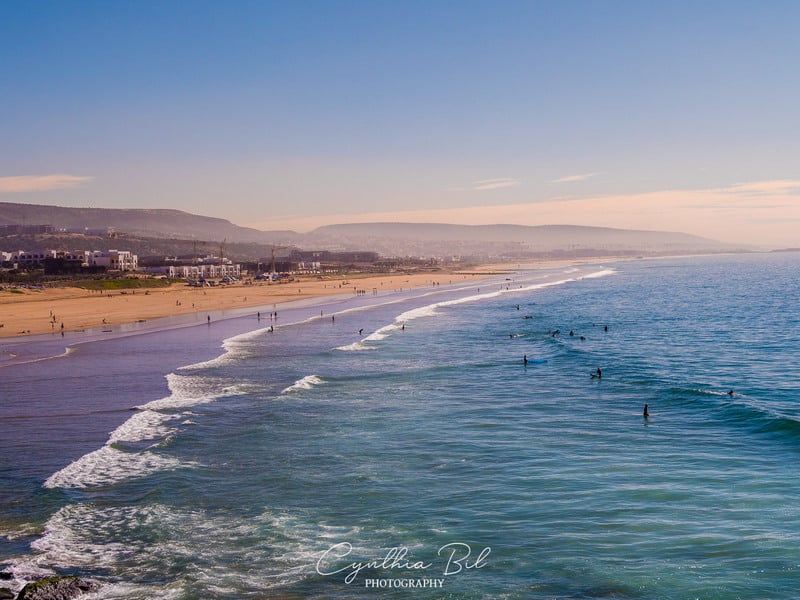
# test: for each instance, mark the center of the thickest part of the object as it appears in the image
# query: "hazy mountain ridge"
(157, 223)
(388, 239)
(468, 239)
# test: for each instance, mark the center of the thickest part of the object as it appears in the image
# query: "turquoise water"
(265, 468)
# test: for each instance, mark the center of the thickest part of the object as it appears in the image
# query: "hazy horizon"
(662, 117)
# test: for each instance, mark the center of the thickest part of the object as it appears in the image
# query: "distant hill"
(483, 242)
(389, 238)
(155, 223)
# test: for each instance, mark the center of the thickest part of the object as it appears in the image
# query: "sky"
(668, 116)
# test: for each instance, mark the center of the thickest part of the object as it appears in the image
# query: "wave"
(760, 420)
(107, 466)
(603, 273)
(748, 414)
(306, 383)
(433, 309)
(145, 425)
(11, 359)
(87, 535)
(355, 347)
(119, 459)
(234, 348)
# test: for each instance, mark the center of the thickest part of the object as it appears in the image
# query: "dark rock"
(56, 588)
(7, 594)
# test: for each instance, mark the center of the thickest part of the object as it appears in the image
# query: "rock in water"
(7, 594)
(56, 588)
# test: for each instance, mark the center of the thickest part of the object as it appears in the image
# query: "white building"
(28, 257)
(204, 271)
(113, 260)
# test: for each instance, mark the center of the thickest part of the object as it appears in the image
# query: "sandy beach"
(32, 311)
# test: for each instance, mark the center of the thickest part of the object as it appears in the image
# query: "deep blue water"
(262, 469)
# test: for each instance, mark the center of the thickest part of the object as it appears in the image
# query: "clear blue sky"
(302, 112)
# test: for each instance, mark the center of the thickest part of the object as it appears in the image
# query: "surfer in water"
(598, 374)
(645, 414)
(525, 359)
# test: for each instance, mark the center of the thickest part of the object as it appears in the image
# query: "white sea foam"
(191, 390)
(603, 273)
(355, 347)
(234, 348)
(156, 421)
(433, 309)
(306, 383)
(17, 532)
(108, 465)
(285, 547)
(144, 425)
(67, 351)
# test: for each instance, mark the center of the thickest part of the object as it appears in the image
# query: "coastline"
(29, 314)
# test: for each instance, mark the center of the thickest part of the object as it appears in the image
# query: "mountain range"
(388, 239)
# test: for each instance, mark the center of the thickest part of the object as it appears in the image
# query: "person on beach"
(209, 319)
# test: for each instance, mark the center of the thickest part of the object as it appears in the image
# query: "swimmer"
(730, 393)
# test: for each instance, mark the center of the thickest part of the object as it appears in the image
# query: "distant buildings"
(198, 272)
(64, 260)
(207, 267)
(113, 260)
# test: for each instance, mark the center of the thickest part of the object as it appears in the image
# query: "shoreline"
(44, 314)
(27, 314)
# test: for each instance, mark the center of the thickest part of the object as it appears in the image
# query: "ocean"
(397, 445)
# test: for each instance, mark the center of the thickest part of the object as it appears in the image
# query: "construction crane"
(222, 245)
(194, 250)
(274, 247)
